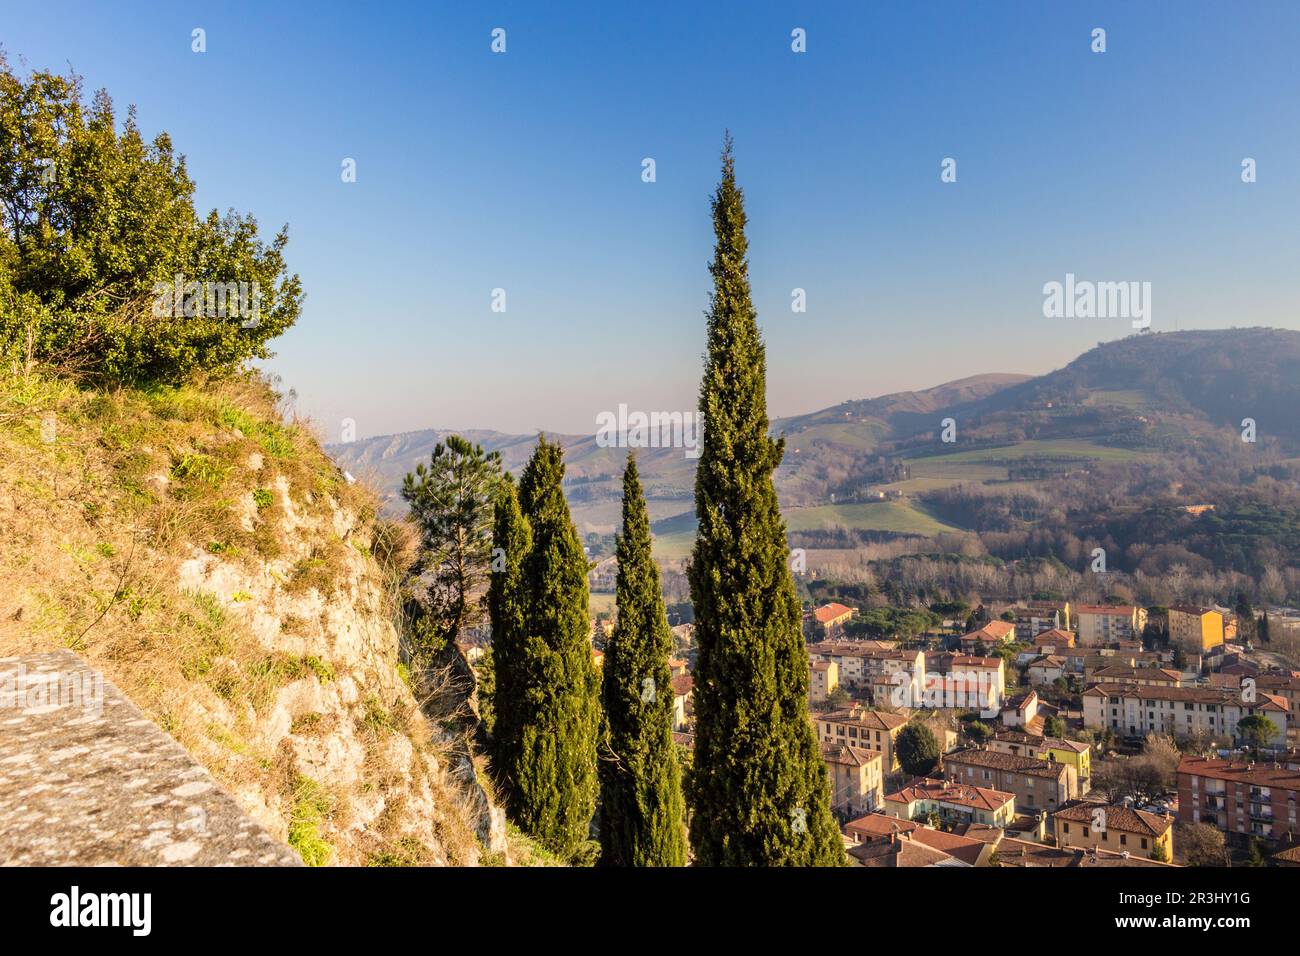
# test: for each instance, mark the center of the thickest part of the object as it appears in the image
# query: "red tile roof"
(949, 791)
(830, 612)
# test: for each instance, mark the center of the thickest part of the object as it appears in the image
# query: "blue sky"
(522, 171)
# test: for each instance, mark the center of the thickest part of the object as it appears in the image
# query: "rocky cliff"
(197, 546)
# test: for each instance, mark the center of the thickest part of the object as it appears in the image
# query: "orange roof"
(949, 791)
(1118, 818)
(831, 612)
(996, 630)
(878, 825)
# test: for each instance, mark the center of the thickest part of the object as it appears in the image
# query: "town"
(1051, 734)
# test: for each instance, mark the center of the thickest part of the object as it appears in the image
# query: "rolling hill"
(879, 466)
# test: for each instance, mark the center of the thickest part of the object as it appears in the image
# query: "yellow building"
(1116, 828)
(1197, 629)
(824, 677)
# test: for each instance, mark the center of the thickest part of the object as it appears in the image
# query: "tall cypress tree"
(758, 789)
(642, 813)
(512, 539)
(547, 753)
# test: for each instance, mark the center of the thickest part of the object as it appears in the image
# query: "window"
(1144, 843)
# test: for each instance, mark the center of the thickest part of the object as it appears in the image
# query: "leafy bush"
(96, 226)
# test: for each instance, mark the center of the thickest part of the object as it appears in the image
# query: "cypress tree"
(511, 541)
(549, 756)
(759, 791)
(642, 813)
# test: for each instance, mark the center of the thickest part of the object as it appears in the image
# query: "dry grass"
(97, 527)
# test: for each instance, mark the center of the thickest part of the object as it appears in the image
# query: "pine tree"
(512, 539)
(642, 813)
(550, 695)
(452, 503)
(758, 789)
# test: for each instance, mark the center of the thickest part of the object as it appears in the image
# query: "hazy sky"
(523, 171)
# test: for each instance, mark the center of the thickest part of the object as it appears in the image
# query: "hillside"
(1158, 416)
(206, 555)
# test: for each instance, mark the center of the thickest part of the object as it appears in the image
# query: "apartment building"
(823, 678)
(1195, 629)
(856, 778)
(1178, 711)
(1101, 624)
(859, 661)
(1141, 676)
(867, 729)
(1286, 686)
(1051, 749)
(1239, 797)
(1037, 617)
(1036, 785)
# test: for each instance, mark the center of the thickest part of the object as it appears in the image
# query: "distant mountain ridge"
(1142, 394)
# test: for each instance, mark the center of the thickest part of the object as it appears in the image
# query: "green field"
(902, 517)
(849, 434)
(600, 604)
(1079, 448)
(1129, 398)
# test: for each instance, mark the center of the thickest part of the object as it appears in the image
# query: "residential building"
(1284, 685)
(1051, 749)
(953, 802)
(1196, 629)
(857, 781)
(1020, 710)
(976, 672)
(1142, 676)
(831, 619)
(1039, 616)
(1036, 785)
(1241, 798)
(823, 678)
(902, 850)
(1133, 710)
(868, 729)
(1046, 670)
(1055, 641)
(988, 637)
(1013, 852)
(1116, 828)
(1101, 624)
(877, 828)
(859, 661)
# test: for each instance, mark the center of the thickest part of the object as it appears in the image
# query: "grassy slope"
(109, 501)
